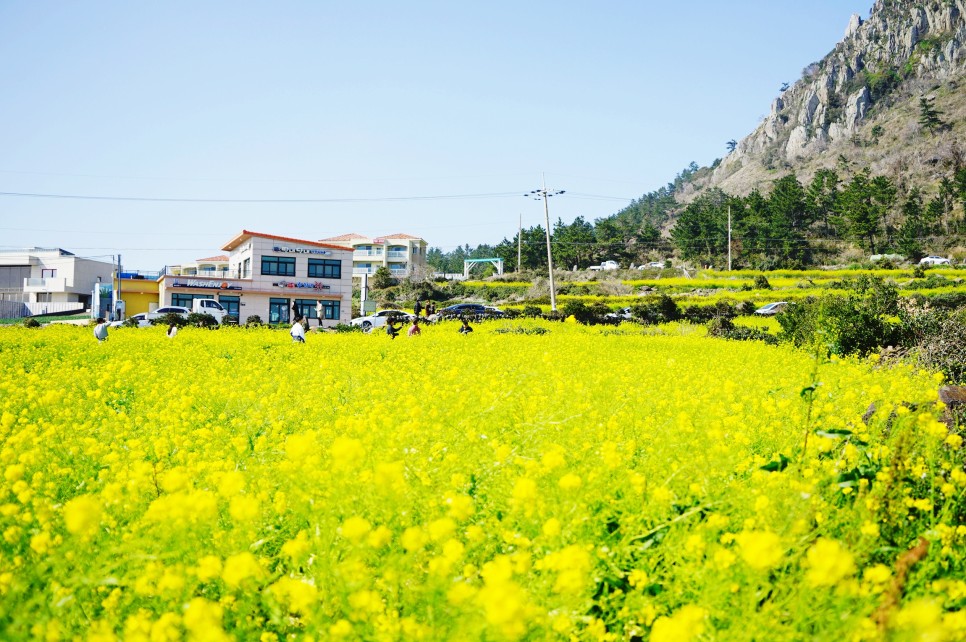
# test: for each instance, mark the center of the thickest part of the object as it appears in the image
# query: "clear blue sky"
(372, 109)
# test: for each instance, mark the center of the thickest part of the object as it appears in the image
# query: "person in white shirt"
(100, 330)
(298, 332)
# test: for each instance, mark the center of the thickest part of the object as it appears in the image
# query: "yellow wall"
(139, 294)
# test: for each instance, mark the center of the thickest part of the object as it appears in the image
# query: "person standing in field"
(414, 328)
(319, 312)
(100, 330)
(172, 331)
(417, 308)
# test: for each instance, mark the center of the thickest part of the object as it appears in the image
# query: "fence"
(19, 310)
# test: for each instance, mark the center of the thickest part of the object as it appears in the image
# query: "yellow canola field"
(533, 481)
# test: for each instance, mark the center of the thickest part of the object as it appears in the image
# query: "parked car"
(463, 310)
(141, 320)
(771, 308)
(379, 319)
(606, 265)
(933, 260)
(624, 314)
(653, 265)
(492, 312)
(168, 309)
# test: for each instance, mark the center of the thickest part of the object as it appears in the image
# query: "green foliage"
(661, 310)
(761, 282)
(171, 318)
(383, 278)
(855, 323)
(929, 117)
(253, 321)
(580, 312)
(724, 328)
(202, 320)
(31, 322)
(531, 311)
(344, 328)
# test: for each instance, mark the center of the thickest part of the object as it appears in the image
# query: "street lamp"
(544, 194)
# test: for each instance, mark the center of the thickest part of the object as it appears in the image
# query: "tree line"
(795, 225)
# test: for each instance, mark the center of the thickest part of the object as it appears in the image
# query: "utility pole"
(519, 243)
(729, 237)
(537, 194)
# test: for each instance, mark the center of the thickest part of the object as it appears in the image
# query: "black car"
(472, 310)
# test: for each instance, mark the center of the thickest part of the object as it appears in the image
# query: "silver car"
(380, 318)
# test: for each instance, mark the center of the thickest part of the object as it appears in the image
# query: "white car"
(933, 260)
(624, 314)
(653, 265)
(771, 308)
(380, 318)
(168, 309)
(141, 320)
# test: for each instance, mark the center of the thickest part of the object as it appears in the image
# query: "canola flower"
(583, 483)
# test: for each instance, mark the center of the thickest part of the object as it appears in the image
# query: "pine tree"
(929, 116)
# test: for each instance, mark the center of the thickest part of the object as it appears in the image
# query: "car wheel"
(366, 326)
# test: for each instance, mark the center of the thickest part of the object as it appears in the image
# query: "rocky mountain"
(860, 106)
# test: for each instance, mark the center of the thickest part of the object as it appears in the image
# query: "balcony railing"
(53, 284)
(397, 255)
(363, 270)
(365, 253)
(226, 273)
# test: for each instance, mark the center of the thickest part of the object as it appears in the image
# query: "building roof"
(352, 236)
(247, 234)
(221, 258)
(346, 237)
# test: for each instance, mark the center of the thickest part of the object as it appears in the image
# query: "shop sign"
(301, 284)
(299, 250)
(210, 285)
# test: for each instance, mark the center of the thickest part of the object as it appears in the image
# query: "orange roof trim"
(221, 258)
(247, 234)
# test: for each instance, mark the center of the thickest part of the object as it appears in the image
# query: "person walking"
(319, 310)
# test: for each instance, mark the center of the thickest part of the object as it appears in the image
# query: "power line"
(82, 197)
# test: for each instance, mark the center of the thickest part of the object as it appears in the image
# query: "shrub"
(945, 349)
(531, 311)
(171, 318)
(347, 327)
(31, 322)
(662, 310)
(202, 320)
(253, 321)
(761, 282)
(230, 319)
(382, 279)
(580, 312)
(724, 328)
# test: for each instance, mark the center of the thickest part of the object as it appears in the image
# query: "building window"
(278, 265)
(48, 273)
(306, 307)
(231, 304)
(278, 310)
(325, 269)
(246, 271)
(330, 310)
(184, 300)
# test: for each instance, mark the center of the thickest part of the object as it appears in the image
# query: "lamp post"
(544, 194)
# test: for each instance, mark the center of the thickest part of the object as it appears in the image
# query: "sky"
(159, 131)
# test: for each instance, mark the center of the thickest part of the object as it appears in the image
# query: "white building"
(403, 254)
(50, 280)
(268, 276)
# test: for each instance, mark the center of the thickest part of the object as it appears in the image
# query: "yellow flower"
(82, 516)
(355, 529)
(685, 624)
(761, 550)
(828, 563)
(239, 568)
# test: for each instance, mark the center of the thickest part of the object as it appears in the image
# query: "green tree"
(913, 226)
(863, 204)
(731, 145)
(929, 117)
(701, 232)
(821, 197)
(572, 244)
(382, 278)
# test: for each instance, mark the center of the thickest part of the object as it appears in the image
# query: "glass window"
(184, 300)
(231, 303)
(278, 310)
(278, 265)
(246, 268)
(330, 310)
(325, 268)
(306, 307)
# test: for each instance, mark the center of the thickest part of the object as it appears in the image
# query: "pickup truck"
(209, 306)
(606, 265)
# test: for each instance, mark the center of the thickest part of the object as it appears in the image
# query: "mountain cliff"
(861, 105)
